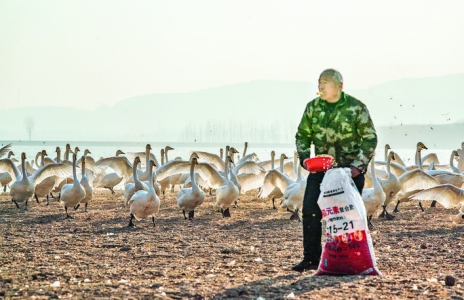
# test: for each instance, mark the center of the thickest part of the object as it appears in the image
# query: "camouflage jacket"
(347, 133)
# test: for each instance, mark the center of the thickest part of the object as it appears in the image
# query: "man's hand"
(354, 172)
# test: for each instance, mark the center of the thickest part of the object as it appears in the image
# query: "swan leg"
(185, 217)
(67, 215)
(48, 201)
(153, 220)
(36, 198)
(420, 205)
(4, 188)
(396, 207)
(369, 223)
(77, 206)
(191, 213)
(225, 213)
(85, 209)
(434, 203)
(51, 195)
(25, 208)
(273, 204)
(16, 203)
(130, 222)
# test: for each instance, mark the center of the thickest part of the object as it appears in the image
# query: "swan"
(275, 182)
(144, 157)
(461, 158)
(227, 193)
(45, 187)
(391, 186)
(441, 169)
(5, 177)
(131, 188)
(122, 170)
(293, 196)
(143, 175)
(145, 203)
(23, 186)
(86, 184)
(89, 161)
(414, 180)
(246, 157)
(190, 198)
(72, 194)
(164, 182)
(373, 198)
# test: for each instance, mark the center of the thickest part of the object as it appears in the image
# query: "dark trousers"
(312, 216)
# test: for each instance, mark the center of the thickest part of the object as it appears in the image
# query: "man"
(339, 125)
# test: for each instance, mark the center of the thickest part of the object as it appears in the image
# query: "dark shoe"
(305, 265)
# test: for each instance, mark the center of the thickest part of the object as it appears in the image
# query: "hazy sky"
(89, 53)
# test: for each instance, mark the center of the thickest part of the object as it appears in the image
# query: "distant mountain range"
(261, 111)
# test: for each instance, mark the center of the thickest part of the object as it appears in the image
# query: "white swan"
(275, 182)
(23, 186)
(391, 186)
(414, 180)
(145, 203)
(131, 188)
(122, 170)
(227, 193)
(373, 198)
(72, 194)
(190, 198)
(85, 183)
(5, 177)
(45, 187)
(293, 196)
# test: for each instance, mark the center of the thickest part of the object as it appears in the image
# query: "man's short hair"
(337, 76)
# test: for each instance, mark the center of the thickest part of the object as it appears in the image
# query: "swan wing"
(4, 150)
(172, 167)
(7, 165)
(120, 165)
(447, 195)
(248, 167)
(210, 158)
(417, 180)
(274, 179)
(63, 170)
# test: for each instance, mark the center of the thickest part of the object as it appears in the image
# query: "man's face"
(328, 90)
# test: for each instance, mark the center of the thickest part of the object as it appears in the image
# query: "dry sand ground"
(43, 255)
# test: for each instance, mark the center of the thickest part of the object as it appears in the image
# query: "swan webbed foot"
(236, 204)
(225, 213)
(67, 215)
(130, 221)
(191, 214)
(396, 207)
(295, 215)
